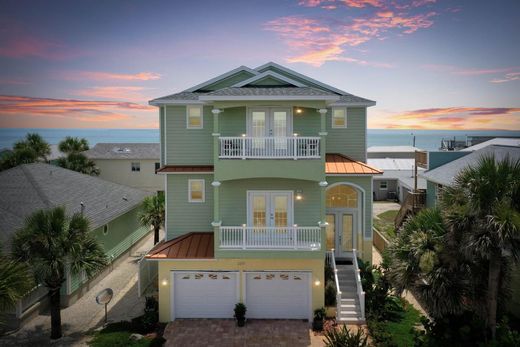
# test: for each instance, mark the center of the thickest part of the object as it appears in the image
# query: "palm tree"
(80, 163)
(424, 259)
(50, 243)
(15, 281)
(483, 210)
(153, 214)
(73, 145)
(34, 142)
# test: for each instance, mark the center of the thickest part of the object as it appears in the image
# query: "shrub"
(342, 337)
(319, 317)
(329, 273)
(380, 336)
(330, 294)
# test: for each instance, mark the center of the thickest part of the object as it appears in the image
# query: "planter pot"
(331, 311)
(241, 322)
(317, 325)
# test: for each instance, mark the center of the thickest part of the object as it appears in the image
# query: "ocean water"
(425, 139)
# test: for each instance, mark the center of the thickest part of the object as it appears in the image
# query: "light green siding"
(123, 232)
(232, 121)
(182, 216)
(161, 132)
(188, 146)
(350, 141)
(366, 184)
(306, 123)
(228, 82)
(233, 199)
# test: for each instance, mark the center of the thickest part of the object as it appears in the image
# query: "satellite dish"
(104, 296)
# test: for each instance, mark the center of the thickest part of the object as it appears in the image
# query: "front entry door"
(341, 233)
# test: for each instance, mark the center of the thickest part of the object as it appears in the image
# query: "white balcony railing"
(269, 147)
(242, 237)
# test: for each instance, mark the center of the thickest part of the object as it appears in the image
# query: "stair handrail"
(336, 281)
(359, 286)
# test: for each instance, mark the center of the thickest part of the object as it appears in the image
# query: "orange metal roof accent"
(186, 168)
(195, 245)
(340, 164)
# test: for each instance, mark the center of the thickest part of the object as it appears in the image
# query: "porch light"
(299, 110)
(317, 283)
(243, 135)
(164, 282)
(299, 195)
(295, 134)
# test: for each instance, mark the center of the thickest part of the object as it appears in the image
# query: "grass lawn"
(401, 329)
(385, 223)
(117, 339)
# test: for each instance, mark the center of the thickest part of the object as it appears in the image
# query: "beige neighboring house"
(130, 164)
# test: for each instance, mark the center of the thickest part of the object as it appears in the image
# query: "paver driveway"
(224, 332)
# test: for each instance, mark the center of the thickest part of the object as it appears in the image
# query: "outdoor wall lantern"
(299, 195)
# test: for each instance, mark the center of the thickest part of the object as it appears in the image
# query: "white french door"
(341, 232)
(269, 122)
(269, 209)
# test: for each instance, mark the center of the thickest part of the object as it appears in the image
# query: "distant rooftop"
(501, 141)
(399, 164)
(30, 187)
(124, 151)
(392, 149)
(445, 174)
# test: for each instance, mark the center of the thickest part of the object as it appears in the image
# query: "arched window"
(342, 196)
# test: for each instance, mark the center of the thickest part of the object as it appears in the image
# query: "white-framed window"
(194, 117)
(105, 229)
(339, 117)
(136, 166)
(383, 185)
(438, 192)
(196, 190)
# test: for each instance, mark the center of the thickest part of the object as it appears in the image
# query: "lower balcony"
(271, 238)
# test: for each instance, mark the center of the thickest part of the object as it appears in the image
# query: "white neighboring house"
(130, 164)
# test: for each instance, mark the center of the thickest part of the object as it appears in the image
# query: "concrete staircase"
(350, 311)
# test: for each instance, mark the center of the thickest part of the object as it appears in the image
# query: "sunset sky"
(429, 64)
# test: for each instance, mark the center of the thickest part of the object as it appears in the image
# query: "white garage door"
(278, 295)
(204, 294)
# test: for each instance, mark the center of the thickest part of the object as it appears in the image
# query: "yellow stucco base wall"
(314, 266)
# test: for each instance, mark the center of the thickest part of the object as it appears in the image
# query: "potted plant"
(319, 317)
(240, 314)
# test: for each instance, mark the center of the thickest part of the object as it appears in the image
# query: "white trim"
(323, 183)
(175, 102)
(297, 74)
(355, 104)
(215, 134)
(186, 173)
(203, 190)
(215, 184)
(165, 142)
(268, 194)
(269, 74)
(267, 97)
(323, 133)
(354, 175)
(332, 125)
(201, 108)
(216, 224)
(221, 77)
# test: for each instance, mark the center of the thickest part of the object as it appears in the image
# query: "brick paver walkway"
(225, 333)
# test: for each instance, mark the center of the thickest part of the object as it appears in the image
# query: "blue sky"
(428, 64)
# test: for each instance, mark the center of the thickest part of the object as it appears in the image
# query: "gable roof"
(124, 151)
(30, 187)
(446, 173)
(281, 93)
(273, 71)
(268, 74)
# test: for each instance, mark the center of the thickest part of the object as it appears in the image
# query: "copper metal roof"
(185, 168)
(195, 245)
(340, 164)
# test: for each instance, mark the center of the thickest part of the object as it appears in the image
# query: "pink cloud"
(21, 111)
(317, 40)
(110, 76)
(512, 76)
(131, 93)
(14, 81)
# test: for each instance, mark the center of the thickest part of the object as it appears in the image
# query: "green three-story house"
(265, 180)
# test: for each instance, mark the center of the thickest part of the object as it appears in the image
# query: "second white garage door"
(204, 294)
(278, 295)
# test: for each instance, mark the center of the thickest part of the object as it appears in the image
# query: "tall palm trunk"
(54, 295)
(156, 234)
(493, 283)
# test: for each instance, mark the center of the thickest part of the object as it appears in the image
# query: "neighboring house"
(392, 151)
(397, 181)
(265, 173)
(500, 141)
(443, 175)
(131, 164)
(111, 209)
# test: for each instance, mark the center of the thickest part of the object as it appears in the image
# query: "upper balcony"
(244, 147)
